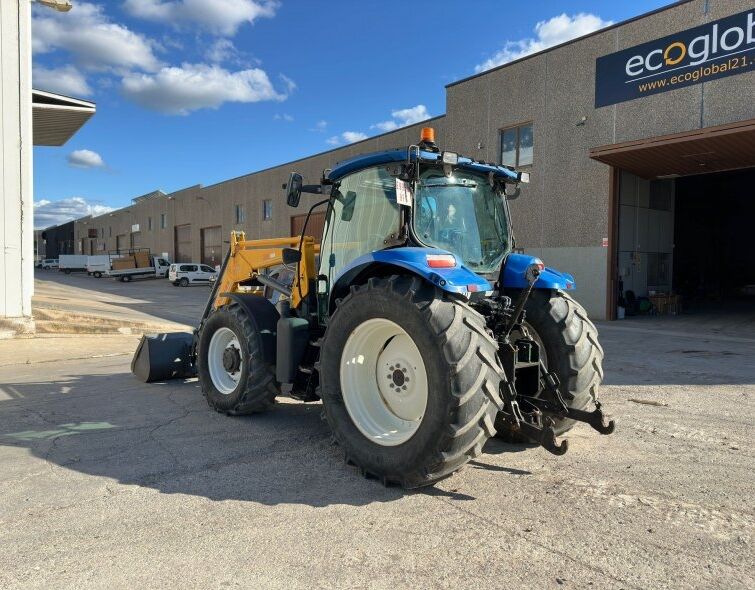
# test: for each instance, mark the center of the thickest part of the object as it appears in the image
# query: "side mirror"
(293, 189)
(512, 193)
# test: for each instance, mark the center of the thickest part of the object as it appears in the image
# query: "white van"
(190, 273)
(49, 263)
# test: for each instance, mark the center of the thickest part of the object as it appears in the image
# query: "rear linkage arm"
(538, 425)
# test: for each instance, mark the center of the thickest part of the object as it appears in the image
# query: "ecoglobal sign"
(721, 48)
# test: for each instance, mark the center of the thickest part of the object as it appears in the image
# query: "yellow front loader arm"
(248, 258)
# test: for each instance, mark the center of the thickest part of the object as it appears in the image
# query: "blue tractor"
(421, 330)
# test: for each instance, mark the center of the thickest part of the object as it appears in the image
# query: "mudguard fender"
(515, 266)
(458, 279)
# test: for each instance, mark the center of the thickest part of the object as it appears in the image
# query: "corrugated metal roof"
(56, 117)
(711, 149)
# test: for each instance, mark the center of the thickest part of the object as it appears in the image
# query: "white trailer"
(69, 263)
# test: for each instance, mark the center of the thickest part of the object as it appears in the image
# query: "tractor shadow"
(163, 436)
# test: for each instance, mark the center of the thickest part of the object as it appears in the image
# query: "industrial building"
(27, 117)
(640, 142)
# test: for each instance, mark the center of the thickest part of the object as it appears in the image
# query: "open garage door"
(714, 242)
(183, 243)
(681, 237)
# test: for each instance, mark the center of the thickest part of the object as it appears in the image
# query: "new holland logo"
(721, 48)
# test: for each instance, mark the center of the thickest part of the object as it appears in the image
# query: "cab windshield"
(462, 213)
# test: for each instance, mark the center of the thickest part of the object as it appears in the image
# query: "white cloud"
(66, 80)
(352, 136)
(180, 90)
(85, 159)
(554, 31)
(93, 41)
(221, 50)
(404, 117)
(47, 213)
(320, 127)
(284, 117)
(346, 137)
(288, 83)
(222, 17)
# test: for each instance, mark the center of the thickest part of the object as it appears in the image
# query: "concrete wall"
(16, 226)
(646, 234)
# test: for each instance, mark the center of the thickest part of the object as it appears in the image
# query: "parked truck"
(69, 263)
(137, 263)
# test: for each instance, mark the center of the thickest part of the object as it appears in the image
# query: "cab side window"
(363, 215)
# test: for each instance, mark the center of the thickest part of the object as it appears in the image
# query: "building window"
(240, 214)
(110, 232)
(267, 209)
(163, 221)
(149, 223)
(516, 145)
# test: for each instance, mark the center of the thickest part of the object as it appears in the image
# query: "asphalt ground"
(138, 300)
(109, 482)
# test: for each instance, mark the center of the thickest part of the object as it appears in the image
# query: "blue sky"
(198, 91)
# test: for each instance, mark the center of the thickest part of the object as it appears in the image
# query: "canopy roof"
(56, 117)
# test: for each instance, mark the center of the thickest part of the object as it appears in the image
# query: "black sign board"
(720, 48)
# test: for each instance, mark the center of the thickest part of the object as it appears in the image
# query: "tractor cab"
(453, 208)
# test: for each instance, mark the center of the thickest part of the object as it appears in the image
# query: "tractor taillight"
(441, 260)
(540, 264)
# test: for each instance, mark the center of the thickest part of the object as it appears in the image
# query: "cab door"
(362, 217)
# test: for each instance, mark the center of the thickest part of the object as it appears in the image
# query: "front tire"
(571, 346)
(233, 376)
(184, 282)
(397, 323)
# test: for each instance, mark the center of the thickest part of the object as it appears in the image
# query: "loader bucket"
(164, 356)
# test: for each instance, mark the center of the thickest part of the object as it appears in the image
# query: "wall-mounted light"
(582, 121)
(59, 5)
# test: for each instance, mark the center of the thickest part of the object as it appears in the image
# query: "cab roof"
(363, 161)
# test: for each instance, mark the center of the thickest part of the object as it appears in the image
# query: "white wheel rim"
(383, 382)
(225, 381)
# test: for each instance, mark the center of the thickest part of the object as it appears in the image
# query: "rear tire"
(184, 282)
(251, 387)
(571, 347)
(462, 380)
(97, 275)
